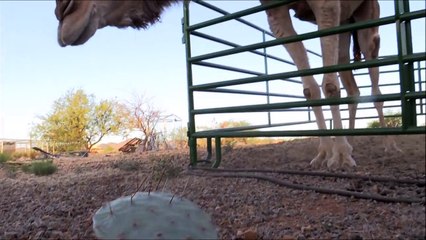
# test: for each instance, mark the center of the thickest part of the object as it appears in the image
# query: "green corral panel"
(407, 65)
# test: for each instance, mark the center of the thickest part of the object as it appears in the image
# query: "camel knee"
(378, 105)
(356, 93)
(375, 46)
(312, 93)
(331, 90)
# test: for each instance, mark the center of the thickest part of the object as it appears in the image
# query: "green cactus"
(155, 215)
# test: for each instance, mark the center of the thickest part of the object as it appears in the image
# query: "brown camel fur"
(79, 20)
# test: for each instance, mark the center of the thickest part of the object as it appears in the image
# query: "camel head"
(79, 19)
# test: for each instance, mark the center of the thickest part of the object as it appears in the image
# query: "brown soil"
(61, 205)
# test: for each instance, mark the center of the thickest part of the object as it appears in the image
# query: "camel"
(79, 21)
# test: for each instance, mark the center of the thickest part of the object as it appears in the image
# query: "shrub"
(126, 165)
(392, 120)
(17, 155)
(108, 149)
(179, 138)
(4, 157)
(166, 168)
(40, 168)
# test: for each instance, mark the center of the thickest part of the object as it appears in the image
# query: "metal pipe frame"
(405, 60)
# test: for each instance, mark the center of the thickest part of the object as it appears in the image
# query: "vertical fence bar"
(419, 76)
(265, 62)
(209, 148)
(218, 149)
(191, 117)
(403, 27)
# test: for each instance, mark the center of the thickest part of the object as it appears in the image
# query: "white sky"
(115, 63)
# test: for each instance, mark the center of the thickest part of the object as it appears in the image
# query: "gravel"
(61, 206)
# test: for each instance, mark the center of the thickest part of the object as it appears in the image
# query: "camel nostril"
(63, 8)
(69, 8)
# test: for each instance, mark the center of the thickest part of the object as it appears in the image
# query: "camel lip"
(60, 41)
(79, 40)
(73, 39)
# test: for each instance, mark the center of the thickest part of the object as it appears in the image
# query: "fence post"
(265, 61)
(191, 116)
(406, 73)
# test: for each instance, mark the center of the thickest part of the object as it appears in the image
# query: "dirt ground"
(61, 206)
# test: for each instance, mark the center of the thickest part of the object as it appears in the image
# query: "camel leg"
(369, 41)
(369, 44)
(281, 25)
(347, 77)
(327, 14)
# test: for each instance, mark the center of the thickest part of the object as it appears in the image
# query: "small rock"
(306, 229)
(355, 237)
(301, 237)
(10, 235)
(288, 237)
(335, 235)
(39, 234)
(55, 234)
(249, 234)
(375, 189)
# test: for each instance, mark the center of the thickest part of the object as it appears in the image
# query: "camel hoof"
(333, 163)
(393, 148)
(319, 160)
(349, 163)
(316, 163)
(390, 145)
(341, 161)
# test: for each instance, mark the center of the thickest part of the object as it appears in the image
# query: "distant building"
(7, 147)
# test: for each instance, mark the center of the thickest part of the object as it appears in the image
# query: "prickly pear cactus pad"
(155, 215)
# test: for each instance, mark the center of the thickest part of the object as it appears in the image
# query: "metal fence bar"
(314, 71)
(238, 14)
(312, 103)
(223, 12)
(406, 68)
(214, 8)
(224, 67)
(231, 44)
(221, 90)
(310, 35)
(310, 133)
(291, 39)
(192, 141)
(264, 126)
(419, 82)
(240, 70)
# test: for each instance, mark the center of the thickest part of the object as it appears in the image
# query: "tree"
(179, 137)
(392, 120)
(233, 124)
(231, 142)
(106, 118)
(78, 122)
(144, 116)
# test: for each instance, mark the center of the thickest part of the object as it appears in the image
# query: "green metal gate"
(409, 66)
